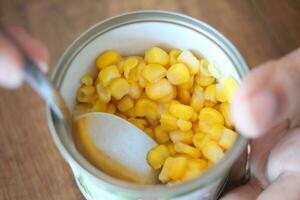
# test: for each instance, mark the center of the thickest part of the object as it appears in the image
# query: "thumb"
(269, 96)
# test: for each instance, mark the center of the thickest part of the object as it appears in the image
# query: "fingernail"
(254, 115)
(10, 75)
(43, 67)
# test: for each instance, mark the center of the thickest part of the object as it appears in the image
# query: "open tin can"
(132, 34)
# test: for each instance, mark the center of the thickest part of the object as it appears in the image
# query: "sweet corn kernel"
(181, 111)
(125, 104)
(118, 88)
(217, 107)
(197, 100)
(195, 126)
(87, 90)
(111, 108)
(171, 148)
(157, 156)
(108, 58)
(203, 67)
(211, 116)
(164, 173)
(194, 117)
(227, 138)
(215, 132)
(135, 90)
(195, 167)
(103, 94)
(178, 168)
(225, 89)
(129, 64)
(178, 74)
(190, 60)
(198, 139)
(184, 96)
(149, 132)
(133, 75)
(161, 136)
(86, 80)
(120, 66)
(158, 90)
(81, 108)
(122, 116)
(184, 125)
(225, 110)
(204, 81)
(187, 149)
(204, 126)
(188, 85)
(168, 121)
(156, 55)
(169, 97)
(81, 98)
(154, 72)
(212, 151)
(99, 106)
(163, 108)
(146, 108)
(214, 70)
(173, 55)
(137, 123)
(210, 94)
(107, 74)
(131, 112)
(182, 136)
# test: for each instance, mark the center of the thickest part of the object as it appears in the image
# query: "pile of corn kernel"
(180, 100)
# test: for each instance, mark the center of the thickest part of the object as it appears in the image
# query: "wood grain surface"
(30, 166)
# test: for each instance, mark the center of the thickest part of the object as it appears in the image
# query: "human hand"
(267, 108)
(11, 63)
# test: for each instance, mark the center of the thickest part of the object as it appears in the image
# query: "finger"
(34, 48)
(11, 73)
(286, 187)
(269, 96)
(246, 192)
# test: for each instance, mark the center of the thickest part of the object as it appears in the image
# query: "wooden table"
(30, 165)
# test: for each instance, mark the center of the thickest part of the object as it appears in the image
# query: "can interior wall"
(132, 34)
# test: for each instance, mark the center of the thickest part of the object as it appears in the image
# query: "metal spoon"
(116, 138)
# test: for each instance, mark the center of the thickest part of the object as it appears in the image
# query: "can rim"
(216, 172)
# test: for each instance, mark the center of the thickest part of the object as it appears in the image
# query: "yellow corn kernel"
(141, 80)
(99, 106)
(86, 80)
(194, 117)
(149, 132)
(171, 148)
(178, 168)
(188, 85)
(215, 132)
(81, 98)
(158, 90)
(195, 126)
(182, 136)
(173, 55)
(204, 81)
(181, 111)
(197, 100)
(203, 67)
(161, 136)
(157, 156)
(80, 108)
(217, 107)
(210, 94)
(133, 75)
(111, 108)
(122, 116)
(184, 125)
(135, 90)
(107, 74)
(156, 55)
(195, 167)
(187, 149)
(87, 90)
(225, 110)
(146, 108)
(118, 88)
(154, 72)
(204, 126)
(163, 108)
(178, 74)
(103, 94)
(211, 116)
(131, 112)
(129, 64)
(225, 89)
(125, 104)
(137, 123)
(190, 60)
(120, 66)
(212, 151)
(108, 58)
(164, 174)
(198, 139)
(169, 97)
(214, 70)
(184, 96)
(168, 121)
(227, 139)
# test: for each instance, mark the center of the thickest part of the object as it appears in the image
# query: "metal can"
(132, 34)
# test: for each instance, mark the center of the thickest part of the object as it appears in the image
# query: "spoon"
(120, 147)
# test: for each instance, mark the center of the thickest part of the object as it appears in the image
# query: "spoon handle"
(40, 82)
